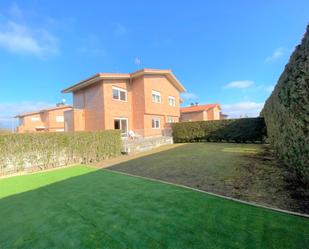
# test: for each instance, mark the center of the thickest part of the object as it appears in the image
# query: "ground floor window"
(121, 124)
(155, 123)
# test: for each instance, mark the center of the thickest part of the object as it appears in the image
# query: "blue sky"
(227, 52)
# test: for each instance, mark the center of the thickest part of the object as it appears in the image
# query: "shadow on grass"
(101, 209)
(241, 171)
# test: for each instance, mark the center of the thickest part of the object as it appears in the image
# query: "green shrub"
(229, 130)
(286, 113)
(4, 131)
(45, 150)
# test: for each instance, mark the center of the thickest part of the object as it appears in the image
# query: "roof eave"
(168, 73)
(92, 80)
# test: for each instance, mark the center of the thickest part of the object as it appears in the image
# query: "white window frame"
(171, 120)
(155, 94)
(156, 119)
(60, 119)
(171, 98)
(120, 90)
(35, 119)
(123, 134)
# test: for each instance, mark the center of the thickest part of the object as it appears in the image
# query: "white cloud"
(276, 55)
(239, 84)
(10, 109)
(18, 37)
(242, 109)
(189, 96)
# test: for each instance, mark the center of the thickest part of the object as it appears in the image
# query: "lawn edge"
(24, 173)
(254, 204)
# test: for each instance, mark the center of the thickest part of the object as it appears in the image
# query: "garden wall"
(286, 113)
(36, 151)
(229, 130)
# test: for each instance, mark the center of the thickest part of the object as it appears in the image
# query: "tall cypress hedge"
(286, 113)
(35, 151)
(229, 130)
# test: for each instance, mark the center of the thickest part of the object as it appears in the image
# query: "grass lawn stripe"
(135, 213)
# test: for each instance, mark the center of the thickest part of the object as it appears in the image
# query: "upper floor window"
(120, 94)
(156, 97)
(35, 119)
(155, 123)
(171, 101)
(59, 119)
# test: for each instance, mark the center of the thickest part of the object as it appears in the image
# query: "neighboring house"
(200, 112)
(141, 103)
(46, 120)
(223, 116)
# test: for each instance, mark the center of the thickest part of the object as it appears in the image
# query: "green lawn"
(244, 171)
(80, 207)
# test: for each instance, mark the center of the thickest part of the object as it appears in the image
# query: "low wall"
(144, 144)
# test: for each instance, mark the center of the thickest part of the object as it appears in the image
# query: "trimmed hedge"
(286, 113)
(4, 131)
(37, 151)
(229, 130)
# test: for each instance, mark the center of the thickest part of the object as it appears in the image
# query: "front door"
(121, 124)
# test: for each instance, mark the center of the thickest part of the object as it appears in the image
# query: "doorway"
(121, 124)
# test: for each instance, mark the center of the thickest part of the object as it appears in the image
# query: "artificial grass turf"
(80, 207)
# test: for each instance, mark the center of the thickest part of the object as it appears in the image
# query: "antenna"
(137, 62)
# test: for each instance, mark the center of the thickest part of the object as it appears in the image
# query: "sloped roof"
(198, 108)
(42, 110)
(145, 71)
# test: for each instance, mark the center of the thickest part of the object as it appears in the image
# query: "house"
(223, 116)
(200, 112)
(143, 102)
(46, 120)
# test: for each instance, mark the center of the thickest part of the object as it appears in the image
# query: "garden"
(82, 207)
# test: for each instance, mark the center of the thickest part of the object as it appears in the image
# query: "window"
(156, 97)
(170, 120)
(155, 123)
(59, 119)
(35, 119)
(121, 124)
(119, 94)
(171, 101)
